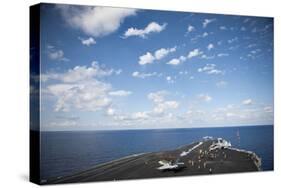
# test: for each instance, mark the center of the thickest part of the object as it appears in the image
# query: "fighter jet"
(170, 165)
(220, 144)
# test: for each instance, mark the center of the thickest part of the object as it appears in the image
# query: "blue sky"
(114, 68)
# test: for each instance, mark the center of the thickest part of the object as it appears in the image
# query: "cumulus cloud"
(163, 52)
(161, 109)
(205, 34)
(161, 105)
(247, 102)
(194, 53)
(177, 61)
(152, 27)
(140, 115)
(95, 21)
(210, 46)
(157, 97)
(206, 22)
(190, 28)
(147, 58)
(120, 93)
(210, 69)
(87, 42)
(174, 61)
(80, 88)
(159, 54)
(90, 96)
(56, 54)
(79, 73)
(166, 105)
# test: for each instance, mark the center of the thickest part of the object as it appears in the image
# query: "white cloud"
(140, 115)
(161, 105)
(157, 97)
(163, 52)
(231, 114)
(210, 69)
(222, 55)
(170, 80)
(152, 27)
(79, 88)
(79, 73)
(247, 102)
(206, 22)
(120, 93)
(190, 28)
(87, 42)
(90, 96)
(205, 97)
(149, 58)
(144, 75)
(177, 61)
(95, 21)
(214, 71)
(205, 34)
(56, 54)
(210, 46)
(174, 62)
(160, 112)
(194, 53)
(182, 58)
(223, 28)
(166, 105)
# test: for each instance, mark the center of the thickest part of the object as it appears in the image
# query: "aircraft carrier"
(208, 156)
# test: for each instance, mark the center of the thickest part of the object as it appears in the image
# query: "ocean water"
(64, 153)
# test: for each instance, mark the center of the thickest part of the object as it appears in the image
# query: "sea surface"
(64, 153)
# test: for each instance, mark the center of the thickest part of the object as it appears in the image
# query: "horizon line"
(132, 129)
